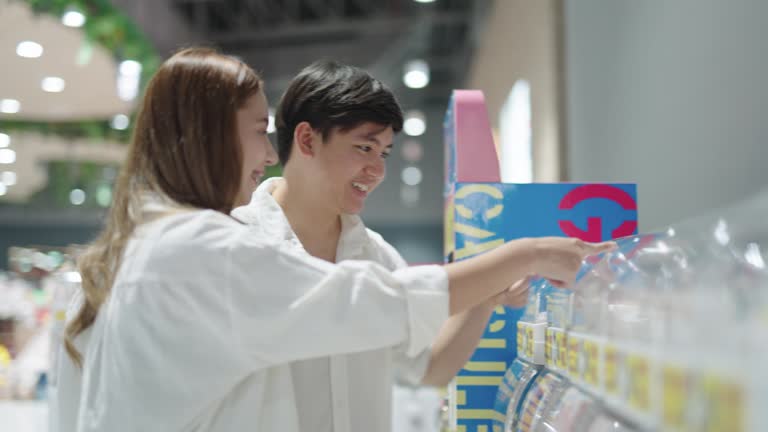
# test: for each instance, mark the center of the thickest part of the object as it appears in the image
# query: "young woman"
(189, 319)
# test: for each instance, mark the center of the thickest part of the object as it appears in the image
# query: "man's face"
(351, 164)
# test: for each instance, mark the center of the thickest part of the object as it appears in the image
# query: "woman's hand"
(559, 259)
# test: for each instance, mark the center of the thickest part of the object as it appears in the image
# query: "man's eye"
(365, 149)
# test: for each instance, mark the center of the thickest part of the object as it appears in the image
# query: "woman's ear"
(304, 138)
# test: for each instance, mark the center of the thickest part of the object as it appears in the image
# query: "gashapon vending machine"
(482, 213)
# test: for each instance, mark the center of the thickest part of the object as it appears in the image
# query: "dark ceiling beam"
(325, 30)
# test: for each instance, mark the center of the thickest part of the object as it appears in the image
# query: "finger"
(598, 248)
(556, 283)
(522, 284)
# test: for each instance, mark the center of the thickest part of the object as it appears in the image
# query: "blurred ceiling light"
(7, 156)
(104, 195)
(9, 106)
(8, 178)
(754, 257)
(411, 176)
(424, 1)
(3, 189)
(416, 74)
(130, 68)
(415, 123)
(129, 74)
(29, 49)
(271, 124)
(73, 18)
(412, 151)
(120, 122)
(5, 140)
(409, 195)
(53, 84)
(77, 197)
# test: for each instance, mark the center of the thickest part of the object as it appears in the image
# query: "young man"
(335, 127)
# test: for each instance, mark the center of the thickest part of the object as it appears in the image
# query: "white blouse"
(206, 316)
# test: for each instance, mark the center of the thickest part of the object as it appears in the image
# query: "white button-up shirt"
(207, 317)
(349, 391)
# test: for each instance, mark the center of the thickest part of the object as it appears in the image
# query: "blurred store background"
(668, 95)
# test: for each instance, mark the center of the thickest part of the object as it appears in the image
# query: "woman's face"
(252, 121)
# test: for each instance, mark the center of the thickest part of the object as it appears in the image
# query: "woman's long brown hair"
(185, 148)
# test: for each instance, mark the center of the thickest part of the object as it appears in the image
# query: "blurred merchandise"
(666, 333)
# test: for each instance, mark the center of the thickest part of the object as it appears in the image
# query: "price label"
(561, 342)
(725, 404)
(676, 384)
(591, 362)
(574, 353)
(549, 344)
(638, 368)
(611, 370)
(529, 341)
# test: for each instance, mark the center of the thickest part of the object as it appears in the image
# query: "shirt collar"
(263, 210)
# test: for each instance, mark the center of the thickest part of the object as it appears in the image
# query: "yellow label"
(529, 340)
(725, 400)
(591, 362)
(611, 370)
(548, 343)
(675, 387)
(561, 360)
(5, 356)
(520, 332)
(639, 378)
(574, 350)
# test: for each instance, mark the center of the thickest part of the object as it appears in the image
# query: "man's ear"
(305, 138)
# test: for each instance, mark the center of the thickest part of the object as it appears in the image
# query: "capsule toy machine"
(482, 213)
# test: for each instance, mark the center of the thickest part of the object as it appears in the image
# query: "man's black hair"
(330, 95)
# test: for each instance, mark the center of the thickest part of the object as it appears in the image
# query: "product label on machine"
(639, 371)
(549, 348)
(591, 362)
(484, 216)
(561, 345)
(676, 385)
(724, 404)
(611, 361)
(575, 360)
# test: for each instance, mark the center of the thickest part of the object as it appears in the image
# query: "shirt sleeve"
(409, 368)
(287, 306)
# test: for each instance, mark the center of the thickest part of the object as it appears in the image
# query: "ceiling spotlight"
(29, 49)
(77, 197)
(411, 176)
(130, 68)
(424, 1)
(52, 84)
(409, 195)
(5, 140)
(415, 123)
(129, 74)
(416, 74)
(7, 156)
(9, 106)
(73, 18)
(120, 122)
(8, 178)
(412, 150)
